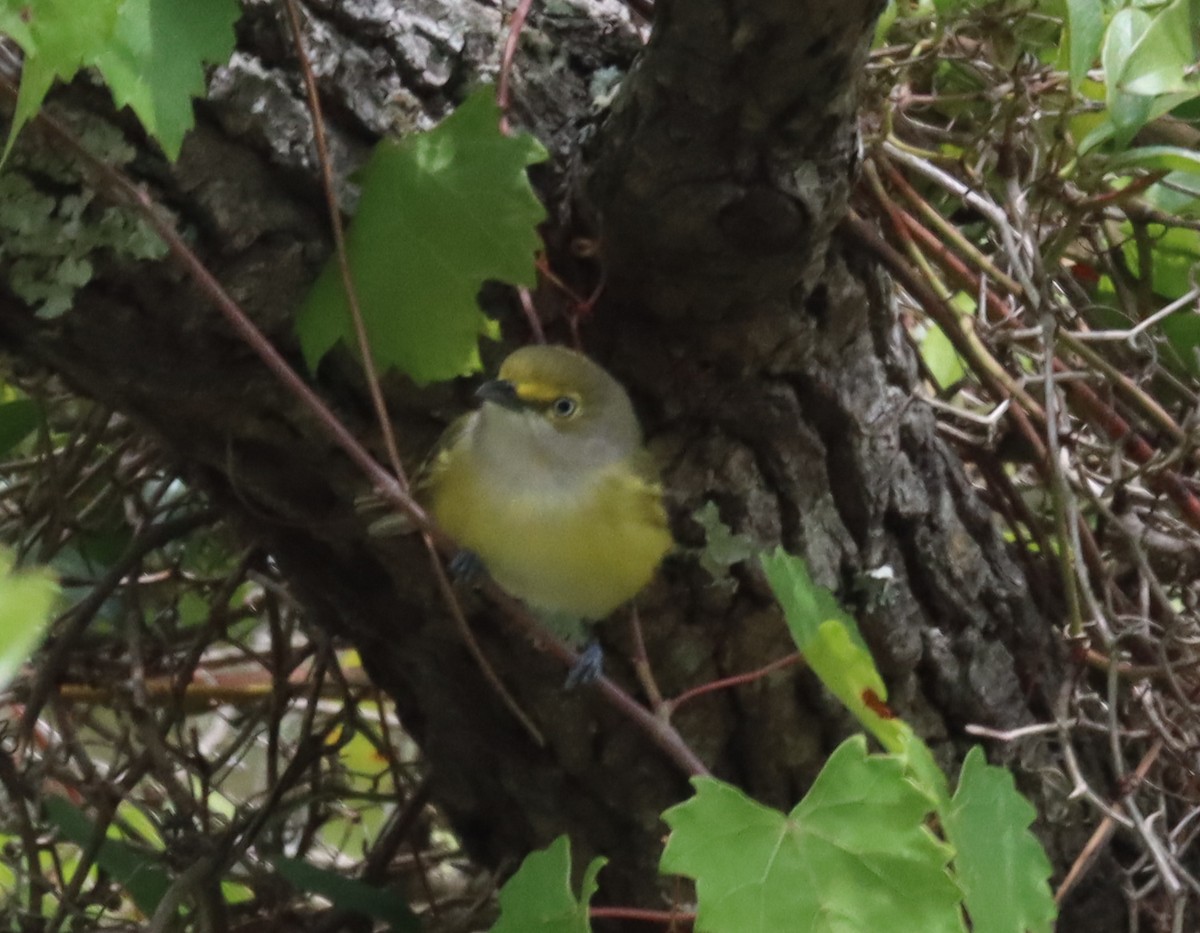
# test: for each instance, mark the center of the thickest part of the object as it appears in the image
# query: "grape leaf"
(58, 37)
(853, 856)
(155, 61)
(440, 213)
(1000, 864)
(538, 898)
(832, 645)
(151, 53)
(835, 651)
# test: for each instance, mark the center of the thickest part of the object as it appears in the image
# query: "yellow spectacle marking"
(538, 391)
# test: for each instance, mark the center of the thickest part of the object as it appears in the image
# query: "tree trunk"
(757, 339)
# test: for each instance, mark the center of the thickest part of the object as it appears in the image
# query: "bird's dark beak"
(502, 392)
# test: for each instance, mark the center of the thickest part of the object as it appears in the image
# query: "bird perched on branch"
(548, 485)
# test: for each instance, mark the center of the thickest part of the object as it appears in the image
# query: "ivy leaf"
(538, 898)
(1000, 864)
(155, 61)
(440, 213)
(26, 598)
(58, 37)
(853, 856)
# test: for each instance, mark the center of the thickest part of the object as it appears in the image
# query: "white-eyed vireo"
(549, 485)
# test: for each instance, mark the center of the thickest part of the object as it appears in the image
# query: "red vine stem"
(670, 706)
(503, 93)
(1136, 446)
(668, 918)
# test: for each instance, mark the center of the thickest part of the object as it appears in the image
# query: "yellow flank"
(582, 555)
(549, 484)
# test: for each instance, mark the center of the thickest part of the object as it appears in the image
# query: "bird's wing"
(434, 465)
(393, 522)
(649, 488)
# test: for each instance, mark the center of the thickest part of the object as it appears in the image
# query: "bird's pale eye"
(564, 406)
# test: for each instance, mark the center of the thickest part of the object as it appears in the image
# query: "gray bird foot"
(588, 667)
(466, 568)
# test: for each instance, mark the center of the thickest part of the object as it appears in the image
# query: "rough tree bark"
(758, 342)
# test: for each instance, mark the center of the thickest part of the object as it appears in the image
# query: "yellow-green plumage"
(564, 509)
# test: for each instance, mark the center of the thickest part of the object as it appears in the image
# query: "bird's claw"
(588, 667)
(466, 568)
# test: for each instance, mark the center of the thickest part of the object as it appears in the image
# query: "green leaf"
(832, 645)
(1158, 62)
(1174, 253)
(440, 213)
(940, 357)
(137, 825)
(58, 37)
(1178, 193)
(853, 856)
(18, 419)
(348, 894)
(26, 599)
(921, 768)
(539, 899)
(722, 547)
(136, 870)
(235, 893)
(151, 53)
(1002, 867)
(1182, 331)
(8, 878)
(1155, 158)
(883, 25)
(1127, 111)
(1085, 20)
(155, 61)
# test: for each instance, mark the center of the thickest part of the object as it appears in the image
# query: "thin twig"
(737, 680)
(382, 418)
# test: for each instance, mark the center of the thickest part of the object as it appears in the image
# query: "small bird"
(548, 483)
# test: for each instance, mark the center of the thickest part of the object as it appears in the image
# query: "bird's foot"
(588, 667)
(466, 568)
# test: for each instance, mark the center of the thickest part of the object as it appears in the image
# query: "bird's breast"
(580, 543)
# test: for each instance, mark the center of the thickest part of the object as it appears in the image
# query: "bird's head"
(563, 400)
